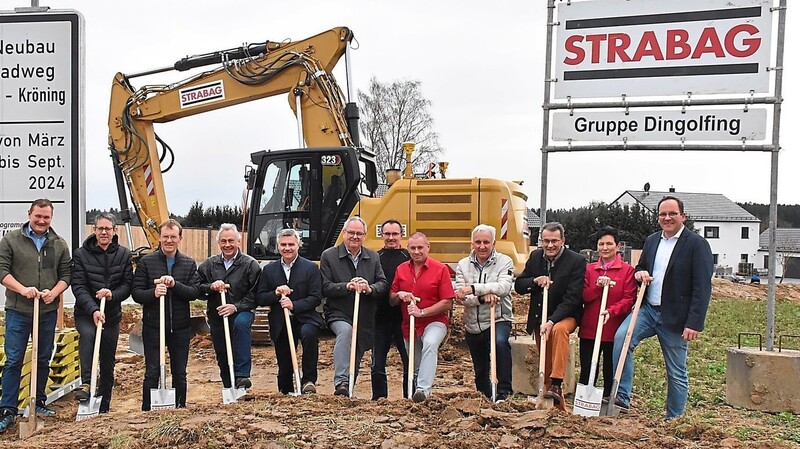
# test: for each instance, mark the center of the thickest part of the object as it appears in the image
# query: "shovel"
(91, 408)
(354, 344)
(493, 355)
(27, 428)
(411, 332)
(589, 398)
(162, 398)
(231, 394)
(611, 408)
(543, 403)
(293, 351)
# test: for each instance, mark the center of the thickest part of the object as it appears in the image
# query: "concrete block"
(763, 380)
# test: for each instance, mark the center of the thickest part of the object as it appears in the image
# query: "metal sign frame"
(772, 146)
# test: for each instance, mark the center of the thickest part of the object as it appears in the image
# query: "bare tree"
(395, 113)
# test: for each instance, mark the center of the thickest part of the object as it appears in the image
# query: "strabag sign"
(607, 48)
(202, 94)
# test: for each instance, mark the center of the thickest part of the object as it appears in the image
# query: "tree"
(634, 223)
(395, 113)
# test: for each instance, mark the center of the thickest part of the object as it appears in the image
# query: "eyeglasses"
(550, 242)
(103, 229)
(391, 234)
(355, 234)
(668, 214)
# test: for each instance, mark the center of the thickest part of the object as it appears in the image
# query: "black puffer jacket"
(153, 266)
(95, 269)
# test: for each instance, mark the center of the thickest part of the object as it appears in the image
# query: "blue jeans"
(240, 324)
(18, 328)
(387, 335)
(674, 348)
(479, 347)
(177, 343)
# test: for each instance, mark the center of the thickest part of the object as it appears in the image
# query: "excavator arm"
(301, 68)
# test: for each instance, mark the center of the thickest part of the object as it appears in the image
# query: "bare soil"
(454, 417)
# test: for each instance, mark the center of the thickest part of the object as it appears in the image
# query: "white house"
(787, 241)
(731, 231)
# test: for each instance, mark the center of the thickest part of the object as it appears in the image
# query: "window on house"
(766, 261)
(743, 258)
(745, 232)
(715, 257)
(711, 232)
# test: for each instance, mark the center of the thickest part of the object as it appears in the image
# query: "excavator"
(314, 188)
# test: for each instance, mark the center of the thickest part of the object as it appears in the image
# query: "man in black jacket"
(562, 270)
(166, 272)
(102, 269)
(240, 273)
(293, 283)
(388, 318)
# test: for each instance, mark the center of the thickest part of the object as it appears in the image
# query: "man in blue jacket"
(677, 266)
(293, 283)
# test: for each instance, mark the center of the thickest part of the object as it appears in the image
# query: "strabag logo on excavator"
(204, 93)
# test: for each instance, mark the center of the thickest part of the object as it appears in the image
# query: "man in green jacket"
(34, 262)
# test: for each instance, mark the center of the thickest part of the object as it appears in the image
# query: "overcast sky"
(480, 63)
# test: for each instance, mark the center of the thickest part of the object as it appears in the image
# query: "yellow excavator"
(314, 188)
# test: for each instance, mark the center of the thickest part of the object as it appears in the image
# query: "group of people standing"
(675, 267)
(394, 285)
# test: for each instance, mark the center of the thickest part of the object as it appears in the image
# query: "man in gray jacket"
(34, 262)
(484, 280)
(348, 268)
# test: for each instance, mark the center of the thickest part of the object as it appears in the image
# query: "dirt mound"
(446, 420)
(725, 289)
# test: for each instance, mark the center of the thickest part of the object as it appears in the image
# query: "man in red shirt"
(424, 285)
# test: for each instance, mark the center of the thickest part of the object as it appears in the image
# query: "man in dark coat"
(348, 268)
(236, 274)
(172, 274)
(102, 269)
(294, 284)
(389, 318)
(562, 271)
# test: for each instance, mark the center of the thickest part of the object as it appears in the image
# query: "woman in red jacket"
(612, 270)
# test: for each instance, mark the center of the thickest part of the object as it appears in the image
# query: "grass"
(707, 368)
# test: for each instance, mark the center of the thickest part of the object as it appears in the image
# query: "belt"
(657, 308)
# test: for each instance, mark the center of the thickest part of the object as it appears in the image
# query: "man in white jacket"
(484, 280)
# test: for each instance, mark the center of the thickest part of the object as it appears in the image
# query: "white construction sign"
(661, 125)
(610, 48)
(41, 119)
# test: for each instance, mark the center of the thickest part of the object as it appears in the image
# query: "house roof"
(698, 206)
(786, 239)
(533, 220)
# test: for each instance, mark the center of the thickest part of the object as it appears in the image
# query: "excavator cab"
(312, 190)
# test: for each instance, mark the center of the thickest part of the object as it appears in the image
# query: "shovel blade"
(232, 394)
(88, 409)
(27, 428)
(588, 400)
(162, 398)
